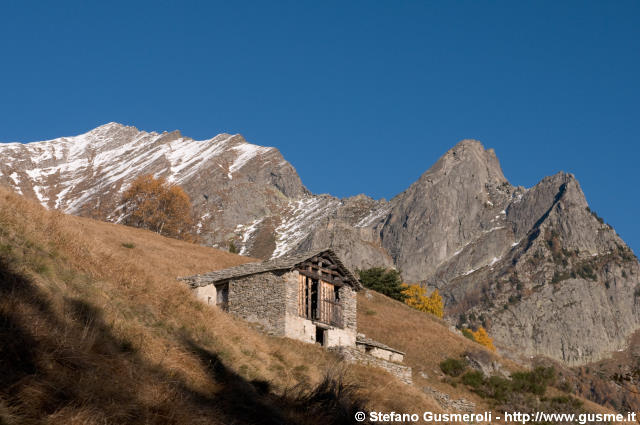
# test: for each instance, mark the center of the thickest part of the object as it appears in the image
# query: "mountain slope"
(86, 174)
(567, 290)
(497, 253)
(457, 201)
(96, 329)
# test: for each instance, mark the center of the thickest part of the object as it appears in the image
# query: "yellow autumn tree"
(482, 337)
(436, 306)
(416, 297)
(155, 204)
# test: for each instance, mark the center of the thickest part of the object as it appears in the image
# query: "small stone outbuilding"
(374, 353)
(310, 297)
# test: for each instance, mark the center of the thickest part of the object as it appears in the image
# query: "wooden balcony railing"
(329, 312)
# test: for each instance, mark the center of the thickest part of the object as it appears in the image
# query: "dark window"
(222, 296)
(314, 299)
(319, 335)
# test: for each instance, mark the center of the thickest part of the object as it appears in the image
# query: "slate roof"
(363, 340)
(276, 264)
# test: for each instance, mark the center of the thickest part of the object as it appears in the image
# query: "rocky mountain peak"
(470, 155)
(466, 147)
(107, 133)
(468, 164)
(571, 190)
(452, 204)
(111, 126)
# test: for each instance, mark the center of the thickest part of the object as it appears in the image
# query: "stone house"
(310, 297)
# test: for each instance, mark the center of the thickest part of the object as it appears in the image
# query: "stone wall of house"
(340, 337)
(349, 306)
(260, 299)
(207, 294)
(291, 287)
(381, 353)
(353, 354)
(299, 328)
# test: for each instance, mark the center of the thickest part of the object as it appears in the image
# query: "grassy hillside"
(95, 329)
(428, 341)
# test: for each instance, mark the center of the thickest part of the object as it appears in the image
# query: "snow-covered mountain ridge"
(54, 170)
(235, 186)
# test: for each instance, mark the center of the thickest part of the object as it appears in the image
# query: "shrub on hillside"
(453, 367)
(386, 281)
(468, 333)
(534, 381)
(498, 388)
(473, 378)
(502, 389)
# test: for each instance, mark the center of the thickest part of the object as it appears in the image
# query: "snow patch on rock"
(300, 220)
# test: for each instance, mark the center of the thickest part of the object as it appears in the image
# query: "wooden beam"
(321, 271)
(316, 276)
(329, 270)
(327, 259)
(307, 264)
(333, 272)
(309, 297)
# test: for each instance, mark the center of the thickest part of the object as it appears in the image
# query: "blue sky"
(361, 97)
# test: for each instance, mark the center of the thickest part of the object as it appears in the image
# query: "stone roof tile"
(363, 340)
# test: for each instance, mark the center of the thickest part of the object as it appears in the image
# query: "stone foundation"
(299, 328)
(355, 355)
(302, 329)
(336, 337)
(385, 355)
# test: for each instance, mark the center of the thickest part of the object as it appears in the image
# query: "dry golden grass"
(101, 332)
(424, 338)
(96, 329)
(427, 341)
(164, 256)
